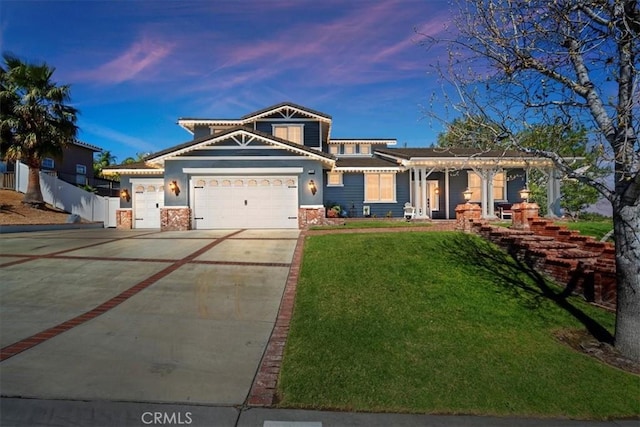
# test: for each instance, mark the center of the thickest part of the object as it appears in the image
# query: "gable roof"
(287, 109)
(290, 107)
(242, 132)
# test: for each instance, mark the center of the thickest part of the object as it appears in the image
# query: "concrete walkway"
(43, 413)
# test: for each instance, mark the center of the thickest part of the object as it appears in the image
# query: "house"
(75, 166)
(280, 167)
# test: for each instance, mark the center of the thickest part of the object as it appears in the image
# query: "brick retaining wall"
(581, 263)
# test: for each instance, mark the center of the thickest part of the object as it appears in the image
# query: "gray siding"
(311, 130)
(351, 196)
(173, 171)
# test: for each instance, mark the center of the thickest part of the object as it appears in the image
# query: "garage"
(245, 202)
(148, 198)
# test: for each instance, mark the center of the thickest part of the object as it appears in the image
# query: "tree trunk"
(33, 196)
(626, 220)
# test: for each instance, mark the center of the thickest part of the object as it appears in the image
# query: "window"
(48, 163)
(334, 149)
(349, 149)
(475, 185)
(293, 133)
(334, 179)
(499, 187)
(81, 174)
(365, 148)
(380, 187)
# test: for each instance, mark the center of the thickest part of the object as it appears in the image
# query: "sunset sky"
(135, 67)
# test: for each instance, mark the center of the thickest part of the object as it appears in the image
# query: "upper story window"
(48, 163)
(293, 133)
(349, 149)
(380, 187)
(475, 185)
(334, 179)
(81, 169)
(365, 148)
(334, 149)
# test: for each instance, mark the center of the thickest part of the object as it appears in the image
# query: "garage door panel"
(246, 202)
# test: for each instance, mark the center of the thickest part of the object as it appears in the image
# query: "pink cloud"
(141, 56)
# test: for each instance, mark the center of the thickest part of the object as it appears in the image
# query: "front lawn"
(596, 229)
(440, 323)
(374, 223)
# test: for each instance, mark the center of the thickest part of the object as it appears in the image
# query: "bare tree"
(572, 63)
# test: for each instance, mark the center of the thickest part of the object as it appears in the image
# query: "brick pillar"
(522, 213)
(465, 214)
(175, 219)
(310, 216)
(124, 219)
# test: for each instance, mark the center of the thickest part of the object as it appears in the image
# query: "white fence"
(70, 198)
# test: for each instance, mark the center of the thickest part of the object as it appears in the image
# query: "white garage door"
(245, 202)
(147, 200)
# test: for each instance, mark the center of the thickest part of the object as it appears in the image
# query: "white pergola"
(486, 168)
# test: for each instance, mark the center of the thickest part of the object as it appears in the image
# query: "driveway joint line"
(43, 336)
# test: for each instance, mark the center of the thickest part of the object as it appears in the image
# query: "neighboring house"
(75, 166)
(279, 167)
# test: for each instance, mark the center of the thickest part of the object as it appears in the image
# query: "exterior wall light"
(437, 190)
(173, 186)
(467, 194)
(312, 187)
(124, 194)
(524, 194)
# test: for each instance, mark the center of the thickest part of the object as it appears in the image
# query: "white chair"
(409, 211)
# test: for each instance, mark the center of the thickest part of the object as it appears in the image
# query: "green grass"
(439, 323)
(596, 229)
(390, 223)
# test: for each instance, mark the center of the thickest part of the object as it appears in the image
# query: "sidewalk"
(45, 413)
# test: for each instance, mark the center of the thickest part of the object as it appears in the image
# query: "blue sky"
(136, 67)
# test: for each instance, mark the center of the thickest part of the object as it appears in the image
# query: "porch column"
(483, 193)
(446, 193)
(553, 193)
(416, 189)
(490, 197)
(423, 191)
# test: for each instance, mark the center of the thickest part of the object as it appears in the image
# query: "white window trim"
(288, 125)
(394, 188)
(48, 159)
(493, 186)
(341, 184)
(83, 167)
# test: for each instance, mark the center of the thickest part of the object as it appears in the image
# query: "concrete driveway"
(140, 315)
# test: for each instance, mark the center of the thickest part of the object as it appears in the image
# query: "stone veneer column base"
(522, 214)
(466, 213)
(124, 219)
(310, 216)
(175, 219)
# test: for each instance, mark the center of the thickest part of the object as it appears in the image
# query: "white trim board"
(241, 171)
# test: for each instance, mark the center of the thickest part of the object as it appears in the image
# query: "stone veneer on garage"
(124, 219)
(175, 219)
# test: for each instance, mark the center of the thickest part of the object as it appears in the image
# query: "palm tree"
(35, 121)
(105, 158)
(139, 158)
